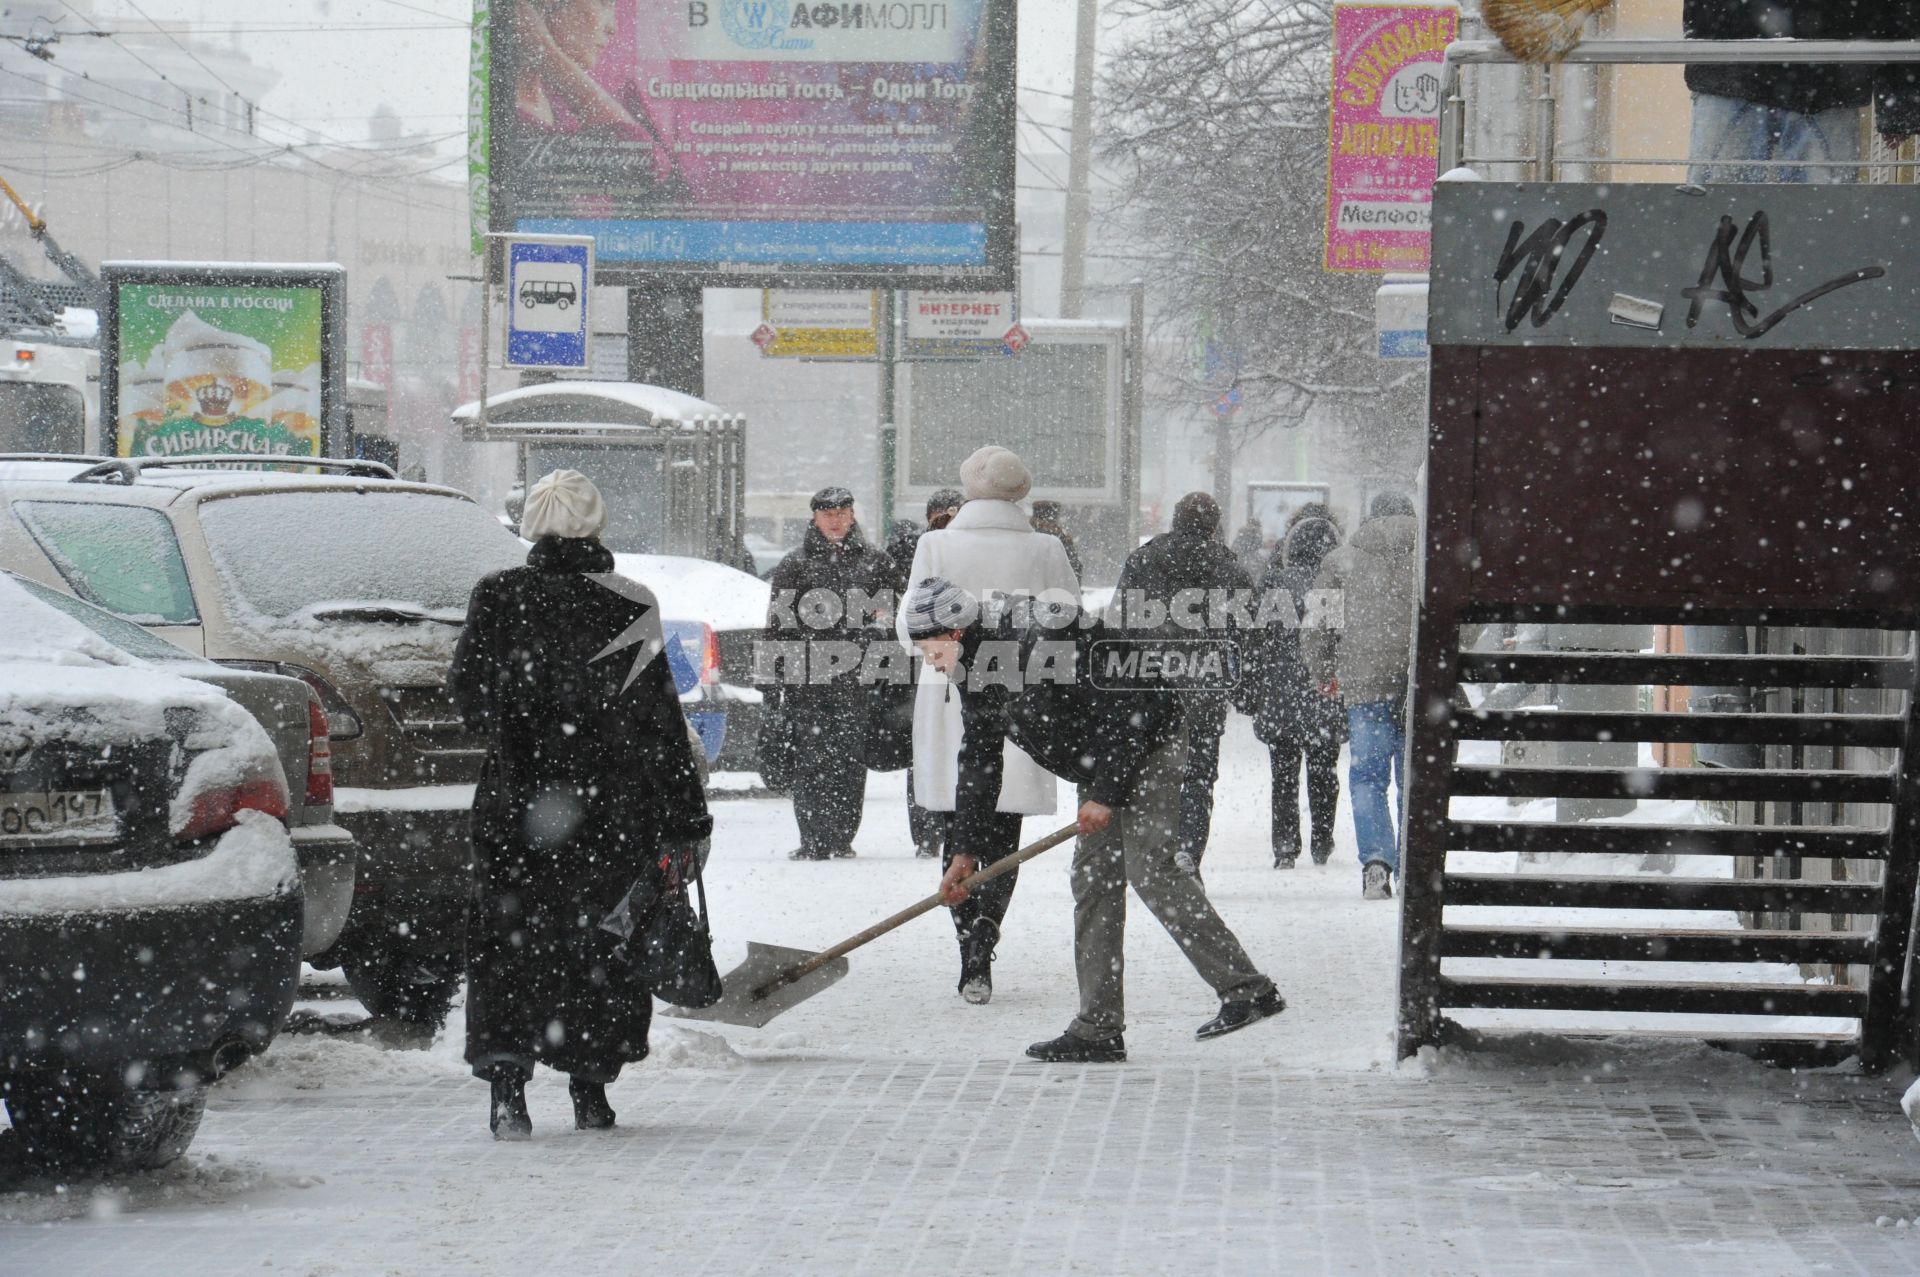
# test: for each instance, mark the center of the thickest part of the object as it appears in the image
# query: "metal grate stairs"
(1527, 957)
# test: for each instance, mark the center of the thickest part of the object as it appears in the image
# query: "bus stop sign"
(548, 279)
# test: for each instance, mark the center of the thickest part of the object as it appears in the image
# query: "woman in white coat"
(989, 550)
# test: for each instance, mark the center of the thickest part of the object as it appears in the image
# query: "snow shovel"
(775, 979)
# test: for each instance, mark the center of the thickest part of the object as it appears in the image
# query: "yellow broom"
(1540, 30)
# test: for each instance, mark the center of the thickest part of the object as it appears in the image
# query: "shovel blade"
(764, 963)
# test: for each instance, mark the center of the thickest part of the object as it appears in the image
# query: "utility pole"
(1073, 249)
(889, 407)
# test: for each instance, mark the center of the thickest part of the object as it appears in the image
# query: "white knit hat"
(995, 474)
(563, 504)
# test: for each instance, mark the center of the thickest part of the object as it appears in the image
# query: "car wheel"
(405, 989)
(81, 1124)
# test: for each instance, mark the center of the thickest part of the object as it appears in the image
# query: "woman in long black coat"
(590, 784)
(1292, 713)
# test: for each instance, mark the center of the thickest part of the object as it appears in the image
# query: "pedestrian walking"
(1295, 715)
(1187, 574)
(1250, 546)
(990, 550)
(1365, 644)
(1046, 518)
(942, 506)
(836, 594)
(1123, 747)
(1749, 117)
(590, 781)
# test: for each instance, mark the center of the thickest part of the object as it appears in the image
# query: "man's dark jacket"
(1185, 560)
(1810, 88)
(841, 568)
(1093, 737)
(587, 781)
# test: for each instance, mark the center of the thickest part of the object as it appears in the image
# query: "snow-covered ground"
(886, 1127)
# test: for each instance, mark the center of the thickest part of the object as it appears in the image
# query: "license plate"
(58, 816)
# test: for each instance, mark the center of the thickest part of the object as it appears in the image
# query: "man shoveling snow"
(1126, 751)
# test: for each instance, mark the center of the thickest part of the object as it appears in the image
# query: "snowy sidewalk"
(993, 1167)
(885, 1127)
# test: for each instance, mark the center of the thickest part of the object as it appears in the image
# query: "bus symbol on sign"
(547, 281)
(548, 292)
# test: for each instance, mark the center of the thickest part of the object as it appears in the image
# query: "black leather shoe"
(1238, 1015)
(591, 1112)
(809, 853)
(1069, 1049)
(507, 1114)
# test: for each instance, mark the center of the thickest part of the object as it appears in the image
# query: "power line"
(252, 106)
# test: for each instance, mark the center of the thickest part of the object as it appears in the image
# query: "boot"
(1322, 849)
(976, 961)
(507, 1115)
(591, 1112)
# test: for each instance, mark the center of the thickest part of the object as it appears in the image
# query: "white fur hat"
(995, 474)
(563, 504)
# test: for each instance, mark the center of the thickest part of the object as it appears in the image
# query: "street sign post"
(549, 279)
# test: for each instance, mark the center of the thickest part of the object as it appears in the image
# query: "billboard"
(1384, 140)
(221, 359)
(759, 143)
(1058, 405)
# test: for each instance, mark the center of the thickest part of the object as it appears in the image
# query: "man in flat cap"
(835, 594)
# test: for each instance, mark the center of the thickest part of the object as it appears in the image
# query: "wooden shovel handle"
(1004, 865)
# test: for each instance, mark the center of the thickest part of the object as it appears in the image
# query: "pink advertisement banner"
(1384, 140)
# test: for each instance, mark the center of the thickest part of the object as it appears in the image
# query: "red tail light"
(214, 810)
(710, 666)
(319, 756)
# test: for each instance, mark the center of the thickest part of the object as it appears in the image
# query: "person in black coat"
(1786, 112)
(1121, 739)
(1190, 561)
(1292, 713)
(828, 716)
(590, 784)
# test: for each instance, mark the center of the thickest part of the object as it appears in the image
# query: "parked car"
(150, 909)
(356, 584)
(351, 581)
(290, 712)
(732, 605)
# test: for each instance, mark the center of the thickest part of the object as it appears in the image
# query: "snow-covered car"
(150, 910)
(290, 712)
(353, 582)
(732, 605)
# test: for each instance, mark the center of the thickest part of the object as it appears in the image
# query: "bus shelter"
(673, 468)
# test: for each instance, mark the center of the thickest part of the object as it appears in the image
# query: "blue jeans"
(1377, 739)
(1727, 131)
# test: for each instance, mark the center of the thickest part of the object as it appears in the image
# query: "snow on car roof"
(162, 487)
(657, 402)
(51, 663)
(700, 590)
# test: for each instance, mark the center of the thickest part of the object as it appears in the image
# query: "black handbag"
(775, 755)
(671, 947)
